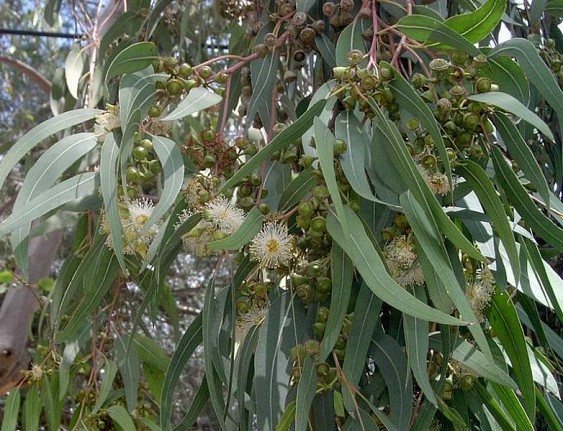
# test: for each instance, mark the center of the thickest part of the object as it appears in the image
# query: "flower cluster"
(220, 219)
(436, 181)
(272, 247)
(402, 261)
(137, 236)
(254, 316)
(107, 121)
(479, 291)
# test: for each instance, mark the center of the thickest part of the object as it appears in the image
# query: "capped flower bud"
(483, 85)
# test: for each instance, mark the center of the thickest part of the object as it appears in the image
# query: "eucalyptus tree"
(384, 180)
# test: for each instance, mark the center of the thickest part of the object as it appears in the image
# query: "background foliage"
(379, 187)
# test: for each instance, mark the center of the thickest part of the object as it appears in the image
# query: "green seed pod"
(476, 151)
(174, 87)
(185, 70)
(470, 121)
(324, 285)
(466, 382)
(387, 72)
(413, 124)
(323, 369)
(459, 58)
(209, 161)
(439, 65)
(354, 57)
(458, 91)
(264, 208)
(418, 80)
(270, 40)
(246, 202)
(388, 234)
(154, 111)
(319, 329)
(146, 144)
(483, 85)
(205, 72)
(322, 314)
(480, 61)
(429, 161)
(321, 192)
(443, 107)
(314, 269)
(297, 279)
(132, 175)
(318, 224)
(305, 208)
(305, 293)
(400, 221)
(189, 84)
(368, 83)
(464, 139)
(243, 306)
(340, 147)
(262, 50)
(140, 153)
(155, 167)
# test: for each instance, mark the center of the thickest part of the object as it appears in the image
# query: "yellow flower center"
(272, 245)
(141, 219)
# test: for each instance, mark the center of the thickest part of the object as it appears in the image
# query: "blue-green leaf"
(350, 38)
(132, 59)
(477, 25)
(263, 72)
(306, 389)
(11, 411)
(249, 228)
(197, 100)
(121, 417)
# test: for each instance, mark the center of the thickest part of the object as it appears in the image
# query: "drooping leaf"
(512, 404)
(520, 151)
(121, 417)
(41, 132)
(11, 411)
(504, 320)
(278, 334)
(32, 409)
(430, 30)
(110, 371)
(371, 267)
(198, 403)
(198, 99)
(306, 389)
(132, 59)
(341, 274)
(76, 187)
(350, 38)
(494, 408)
(483, 187)
(189, 342)
(510, 78)
(74, 65)
(511, 104)
(299, 188)
(171, 159)
(263, 72)
(477, 25)
(416, 343)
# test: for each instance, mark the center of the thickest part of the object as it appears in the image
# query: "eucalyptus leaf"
(198, 99)
(132, 59)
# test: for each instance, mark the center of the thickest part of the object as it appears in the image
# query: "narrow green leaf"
(299, 188)
(210, 332)
(109, 159)
(520, 151)
(427, 30)
(79, 186)
(11, 411)
(513, 406)
(150, 352)
(341, 274)
(189, 342)
(287, 418)
(477, 25)
(132, 59)
(481, 184)
(365, 320)
(244, 364)
(554, 7)
(353, 161)
(278, 334)
(110, 371)
(155, 15)
(494, 408)
(129, 368)
(32, 409)
(410, 100)
(416, 343)
(510, 78)
(350, 38)
(553, 418)
(393, 364)
(429, 238)
(326, 49)
(537, 72)
(98, 278)
(263, 72)
(284, 139)
(306, 389)
(511, 104)
(41, 176)
(519, 197)
(403, 162)
(370, 266)
(172, 162)
(121, 417)
(198, 403)
(74, 65)
(41, 132)
(197, 100)
(249, 228)
(52, 405)
(504, 320)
